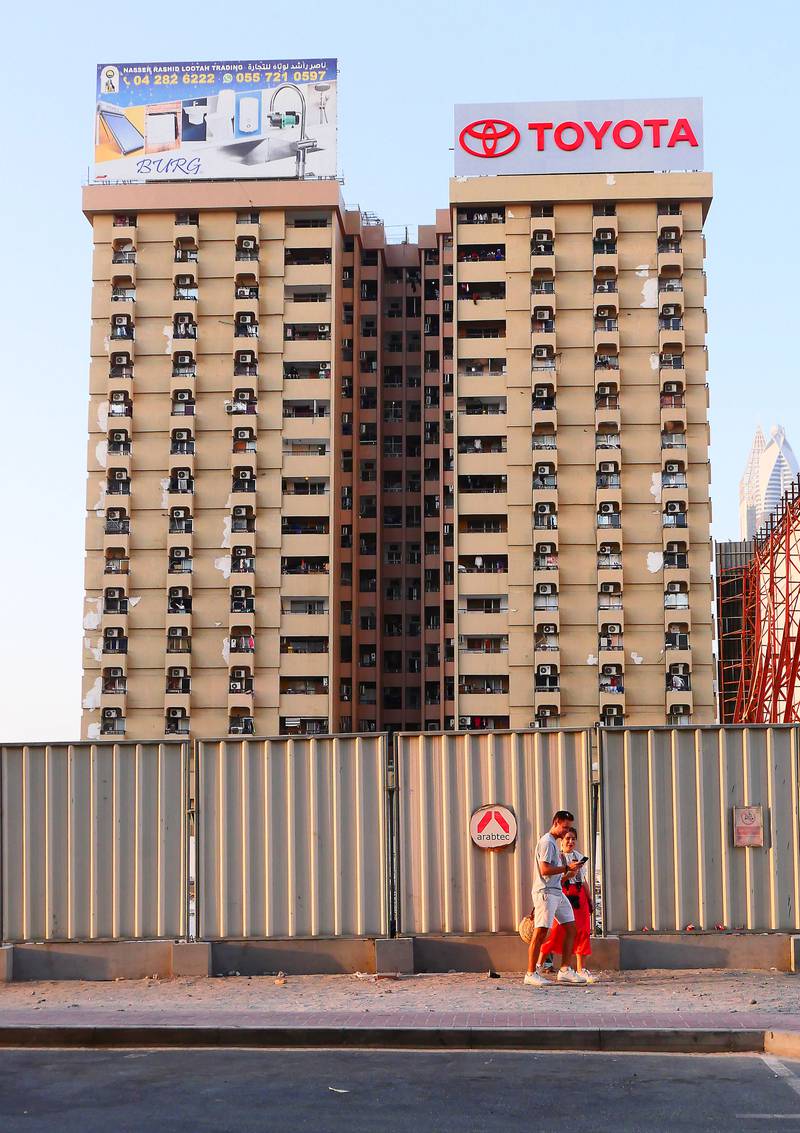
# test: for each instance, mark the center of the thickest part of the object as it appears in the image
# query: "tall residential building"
(337, 483)
(770, 471)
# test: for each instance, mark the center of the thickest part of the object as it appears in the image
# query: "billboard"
(619, 136)
(245, 120)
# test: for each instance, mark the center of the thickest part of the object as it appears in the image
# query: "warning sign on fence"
(748, 826)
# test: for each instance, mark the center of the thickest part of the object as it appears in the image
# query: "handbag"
(525, 928)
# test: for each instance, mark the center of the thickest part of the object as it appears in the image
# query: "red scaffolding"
(769, 673)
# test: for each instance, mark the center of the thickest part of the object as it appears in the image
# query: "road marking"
(781, 1071)
(768, 1116)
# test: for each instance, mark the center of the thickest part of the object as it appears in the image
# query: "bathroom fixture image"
(322, 90)
(304, 143)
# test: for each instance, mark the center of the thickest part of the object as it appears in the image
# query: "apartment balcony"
(481, 582)
(317, 313)
(304, 546)
(673, 413)
(304, 665)
(480, 308)
(606, 339)
(605, 228)
(482, 704)
(670, 292)
(673, 699)
(312, 462)
(605, 258)
(480, 271)
(480, 348)
(670, 257)
(308, 275)
(300, 350)
(480, 624)
(672, 338)
(483, 664)
(305, 625)
(611, 699)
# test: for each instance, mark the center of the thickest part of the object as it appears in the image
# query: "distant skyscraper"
(771, 468)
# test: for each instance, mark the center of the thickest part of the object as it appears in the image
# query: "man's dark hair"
(563, 816)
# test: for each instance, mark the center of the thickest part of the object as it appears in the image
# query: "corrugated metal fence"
(449, 885)
(292, 837)
(94, 841)
(347, 836)
(667, 828)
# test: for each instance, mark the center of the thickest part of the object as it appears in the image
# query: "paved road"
(166, 1091)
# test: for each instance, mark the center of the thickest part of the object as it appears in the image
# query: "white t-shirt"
(580, 875)
(547, 850)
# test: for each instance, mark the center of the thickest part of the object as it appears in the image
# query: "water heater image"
(248, 114)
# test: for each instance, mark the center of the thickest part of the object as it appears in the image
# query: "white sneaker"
(570, 976)
(589, 977)
(535, 979)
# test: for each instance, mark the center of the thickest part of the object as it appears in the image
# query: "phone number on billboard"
(197, 80)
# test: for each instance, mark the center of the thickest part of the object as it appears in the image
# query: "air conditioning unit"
(242, 434)
(182, 435)
(604, 234)
(672, 387)
(673, 507)
(177, 673)
(240, 512)
(674, 548)
(672, 466)
(120, 320)
(245, 320)
(114, 632)
(545, 548)
(667, 359)
(669, 233)
(542, 313)
(183, 359)
(243, 395)
(239, 591)
(235, 686)
(322, 328)
(680, 670)
(543, 509)
(608, 466)
(541, 237)
(119, 436)
(680, 710)
(548, 628)
(183, 395)
(111, 713)
(115, 672)
(240, 552)
(542, 469)
(245, 474)
(180, 513)
(545, 670)
(229, 408)
(245, 358)
(543, 713)
(545, 588)
(604, 390)
(673, 588)
(183, 320)
(117, 397)
(612, 710)
(607, 509)
(120, 474)
(463, 721)
(608, 588)
(117, 359)
(175, 631)
(609, 670)
(175, 713)
(179, 553)
(669, 310)
(613, 627)
(247, 244)
(541, 352)
(605, 359)
(114, 592)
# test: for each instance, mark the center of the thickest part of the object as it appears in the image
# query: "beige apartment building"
(342, 484)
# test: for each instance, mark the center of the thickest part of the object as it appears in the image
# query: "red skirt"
(583, 929)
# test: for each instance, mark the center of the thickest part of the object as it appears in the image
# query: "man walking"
(550, 904)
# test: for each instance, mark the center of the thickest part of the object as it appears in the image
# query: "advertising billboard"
(243, 120)
(619, 136)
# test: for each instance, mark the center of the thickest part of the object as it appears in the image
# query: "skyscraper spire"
(771, 467)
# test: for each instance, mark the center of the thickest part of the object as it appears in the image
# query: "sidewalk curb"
(654, 1041)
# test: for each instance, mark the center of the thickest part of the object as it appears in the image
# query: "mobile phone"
(582, 861)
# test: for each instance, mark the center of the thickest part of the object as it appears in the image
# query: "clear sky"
(402, 66)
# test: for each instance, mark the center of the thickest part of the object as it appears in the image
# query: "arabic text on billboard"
(618, 136)
(244, 120)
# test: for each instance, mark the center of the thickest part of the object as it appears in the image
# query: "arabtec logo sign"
(492, 827)
(579, 137)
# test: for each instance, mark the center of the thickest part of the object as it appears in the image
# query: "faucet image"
(305, 143)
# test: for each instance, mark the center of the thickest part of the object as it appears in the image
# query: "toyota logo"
(493, 136)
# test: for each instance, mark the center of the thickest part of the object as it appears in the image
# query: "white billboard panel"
(619, 136)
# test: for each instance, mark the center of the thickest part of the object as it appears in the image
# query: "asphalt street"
(83, 1091)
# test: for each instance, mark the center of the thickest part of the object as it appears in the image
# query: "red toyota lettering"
(539, 129)
(682, 132)
(576, 128)
(627, 124)
(655, 125)
(598, 133)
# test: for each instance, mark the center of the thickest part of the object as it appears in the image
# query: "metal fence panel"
(292, 837)
(447, 884)
(93, 839)
(667, 828)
